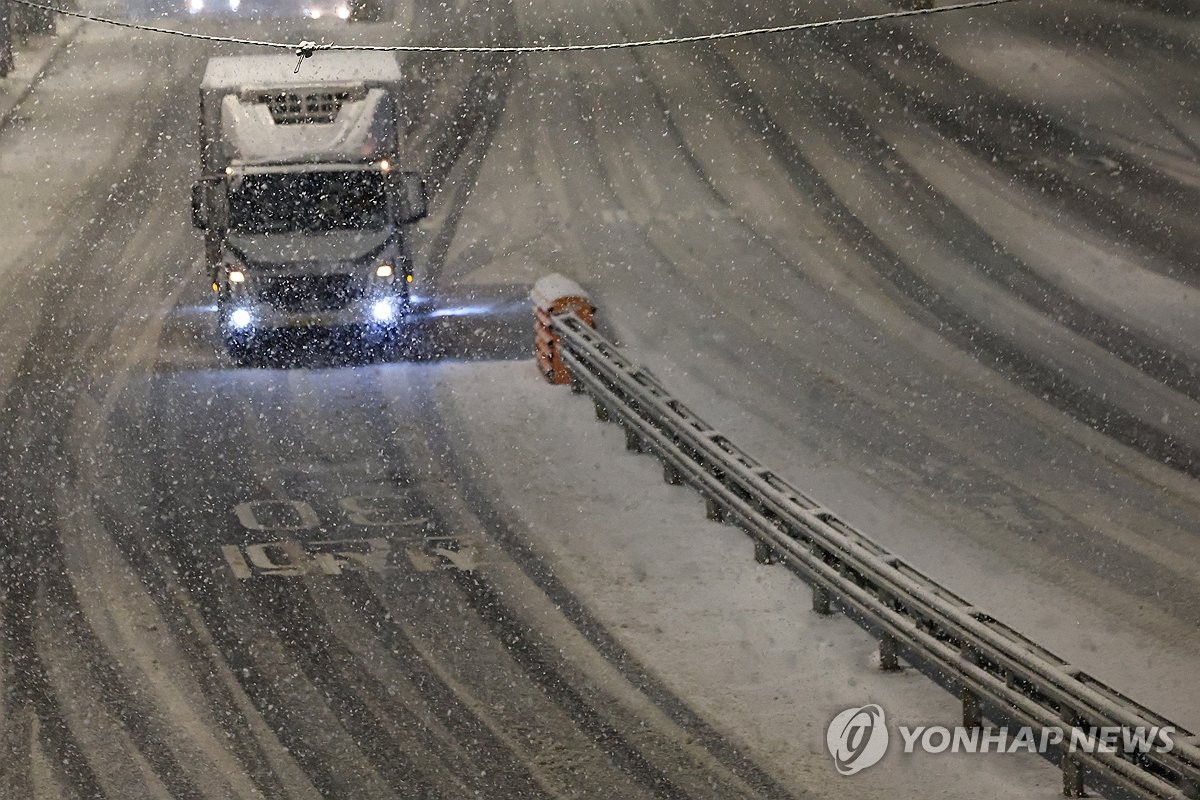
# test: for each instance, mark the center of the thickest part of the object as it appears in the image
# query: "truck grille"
(314, 106)
(308, 292)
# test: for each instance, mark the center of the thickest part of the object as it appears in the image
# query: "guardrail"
(995, 671)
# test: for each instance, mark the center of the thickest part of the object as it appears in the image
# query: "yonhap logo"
(857, 738)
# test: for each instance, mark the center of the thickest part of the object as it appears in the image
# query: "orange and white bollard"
(552, 295)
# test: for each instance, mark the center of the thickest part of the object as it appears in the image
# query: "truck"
(303, 204)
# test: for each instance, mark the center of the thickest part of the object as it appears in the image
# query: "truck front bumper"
(245, 317)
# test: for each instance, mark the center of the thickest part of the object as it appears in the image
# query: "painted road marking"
(292, 558)
(443, 552)
(289, 553)
(276, 515)
(372, 510)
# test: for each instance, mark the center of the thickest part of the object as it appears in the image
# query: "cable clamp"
(305, 50)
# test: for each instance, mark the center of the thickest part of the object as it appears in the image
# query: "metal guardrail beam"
(994, 670)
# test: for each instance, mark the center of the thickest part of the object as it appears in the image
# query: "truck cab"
(304, 207)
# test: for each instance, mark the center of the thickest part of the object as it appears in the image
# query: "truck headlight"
(237, 276)
(240, 319)
(384, 271)
(383, 311)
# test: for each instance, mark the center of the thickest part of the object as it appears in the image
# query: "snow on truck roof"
(238, 72)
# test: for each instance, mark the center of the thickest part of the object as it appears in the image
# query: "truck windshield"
(307, 201)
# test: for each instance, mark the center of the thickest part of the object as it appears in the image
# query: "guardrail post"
(602, 412)
(554, 295)
(972, 705)
(1072, 776)
(713, 510)
(764, 553)
(822, 603)
(972, 709)
(633, 442)
(1072, 768)
(889, 654)
(671, 475)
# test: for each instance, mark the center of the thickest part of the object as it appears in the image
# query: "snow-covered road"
(941, 275)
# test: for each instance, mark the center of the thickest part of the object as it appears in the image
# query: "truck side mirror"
(414, 202)
(199, 207)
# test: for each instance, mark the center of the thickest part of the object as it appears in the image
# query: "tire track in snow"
(457, 460)
(1034, 148)
(949, 223)
(491, 609)
(34, 463)
(989, 346)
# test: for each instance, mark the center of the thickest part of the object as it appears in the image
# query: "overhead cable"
(305, 49)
